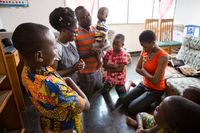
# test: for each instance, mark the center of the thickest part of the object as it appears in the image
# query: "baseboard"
(135, 53)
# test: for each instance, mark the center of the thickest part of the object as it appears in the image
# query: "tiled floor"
(102, 117)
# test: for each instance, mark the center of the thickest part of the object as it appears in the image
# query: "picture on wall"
(13, 3)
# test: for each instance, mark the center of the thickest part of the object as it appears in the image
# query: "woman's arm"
(78, 66)
(139, 66)
(70, 82)
(162, 63)
(113, 67)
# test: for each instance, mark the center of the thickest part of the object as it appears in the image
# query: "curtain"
(164, 6)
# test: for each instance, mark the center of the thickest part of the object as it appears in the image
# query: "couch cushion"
(171, 72)
(178, 85)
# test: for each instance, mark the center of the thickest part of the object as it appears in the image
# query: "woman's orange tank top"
(151, 66)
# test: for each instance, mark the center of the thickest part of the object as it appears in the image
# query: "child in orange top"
(59, 101)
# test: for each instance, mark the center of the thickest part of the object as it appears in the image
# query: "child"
(146, 122)
(101, 43)
(59, 102)
(114, 62)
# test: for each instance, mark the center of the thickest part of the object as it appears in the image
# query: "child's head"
(176, 113)
(35, 43)
(147, 39)
(102, 13)
(193, 94)
(118, 42)
(63, 20)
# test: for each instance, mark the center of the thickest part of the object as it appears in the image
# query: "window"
(117, 10)
(139, 10)
(127, 11)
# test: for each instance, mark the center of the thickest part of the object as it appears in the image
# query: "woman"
(151, 65)
(67, 61)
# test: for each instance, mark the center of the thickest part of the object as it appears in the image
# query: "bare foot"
(129, 85)
(131, 121)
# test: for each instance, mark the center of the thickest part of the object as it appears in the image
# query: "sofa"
(190, 54)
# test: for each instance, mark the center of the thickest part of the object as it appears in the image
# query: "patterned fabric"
(67, 56)
(101, 30)
(149, 121)
(116, 78)
(84, 42)
(176, 86)
(120, 89)
(189, 53)
(150, 64)
(89, 82)
(53, 98)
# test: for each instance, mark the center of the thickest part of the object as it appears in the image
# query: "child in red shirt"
(114, 62)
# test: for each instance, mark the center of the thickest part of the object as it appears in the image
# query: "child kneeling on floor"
(114, 63)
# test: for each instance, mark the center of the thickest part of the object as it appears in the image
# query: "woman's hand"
(79, 65)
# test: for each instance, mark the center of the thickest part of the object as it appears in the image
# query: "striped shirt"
(84, 42)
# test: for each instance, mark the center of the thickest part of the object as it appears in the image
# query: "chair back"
(152, 24)
(166, 30)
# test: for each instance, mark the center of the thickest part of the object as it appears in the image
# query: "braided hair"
(62, 18)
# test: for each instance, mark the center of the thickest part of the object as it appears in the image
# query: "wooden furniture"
(152, 24)
(166, 29)
(13, 61)
(166, 36)
(10, 117)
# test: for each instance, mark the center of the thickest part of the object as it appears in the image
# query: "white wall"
(187, 12)
(37, 12)
(131, 32)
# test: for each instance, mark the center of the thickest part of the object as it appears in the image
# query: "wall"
(131, 32)
(187, 12)
(38, 12)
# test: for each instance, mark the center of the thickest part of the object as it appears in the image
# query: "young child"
(59, 102)
(101, 33)
(114, 62)
(146, 122)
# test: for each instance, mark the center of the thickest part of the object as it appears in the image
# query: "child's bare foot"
(132, 84)
(129, 85)
(131, 121)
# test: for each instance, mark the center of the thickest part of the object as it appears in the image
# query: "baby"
(101, 43)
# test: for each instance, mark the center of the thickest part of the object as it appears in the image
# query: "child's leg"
(121, 90)
(131, 121)
(106, 87)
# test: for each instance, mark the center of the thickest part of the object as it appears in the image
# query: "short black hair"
(62, 18)
(192, 93)
(182, 115)
(147, 36)
(29, 37)
(120, 36)
(78, 9)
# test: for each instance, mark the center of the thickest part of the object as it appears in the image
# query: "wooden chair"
(152, 24)
(166, 36)
(166, 29)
